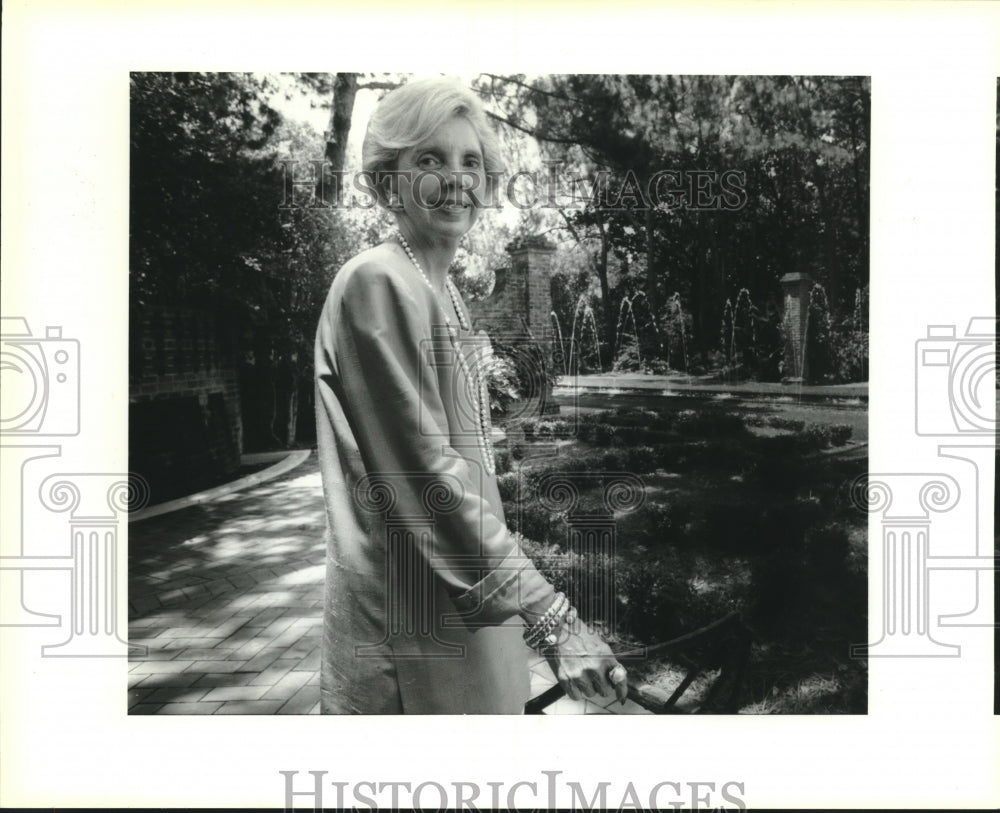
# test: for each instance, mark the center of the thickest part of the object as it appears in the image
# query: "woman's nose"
(458, 178)
(452, 178)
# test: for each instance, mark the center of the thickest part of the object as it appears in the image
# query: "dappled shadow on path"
(273, 528)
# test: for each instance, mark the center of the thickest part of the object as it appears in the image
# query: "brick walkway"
(226, 597)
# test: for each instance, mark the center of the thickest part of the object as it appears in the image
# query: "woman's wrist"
(551, 627)
(567, 625)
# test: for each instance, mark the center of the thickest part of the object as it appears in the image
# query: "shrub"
(512, 486)
(770, 347)
(851, 342)
(501, 458)
(605, 434)
(612, 460)
(709, 423)
(534, 521)
(654, 525)
(850, 351)
(819, 338)
(826, 549)
(823, 436)
(733, 527)
(640, 459)
(519, 370)
(840, 433)
(628, 358)
(549, 558)
(775, 422)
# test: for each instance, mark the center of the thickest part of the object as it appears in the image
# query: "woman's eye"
(428, 161)
(472, 163)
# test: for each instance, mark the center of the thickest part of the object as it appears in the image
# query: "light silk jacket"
(424, 582)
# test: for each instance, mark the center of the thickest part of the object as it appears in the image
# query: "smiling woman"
(438, 181)
(427, 592)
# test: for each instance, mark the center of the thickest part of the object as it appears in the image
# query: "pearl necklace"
(477, 380)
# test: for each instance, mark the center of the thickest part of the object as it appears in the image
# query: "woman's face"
(442, 182)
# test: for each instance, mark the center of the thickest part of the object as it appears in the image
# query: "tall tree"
(799, 144)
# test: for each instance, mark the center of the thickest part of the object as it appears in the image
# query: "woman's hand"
(584, 665)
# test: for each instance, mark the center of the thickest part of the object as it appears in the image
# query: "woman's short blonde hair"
(411, 113)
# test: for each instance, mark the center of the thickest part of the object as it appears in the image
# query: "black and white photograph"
(401, 407)
(501, 393)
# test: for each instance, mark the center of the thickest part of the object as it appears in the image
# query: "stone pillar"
(532, 262)
(797, 288)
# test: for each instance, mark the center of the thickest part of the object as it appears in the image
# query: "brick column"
(531, 262)
(517, 314)
(796, 288)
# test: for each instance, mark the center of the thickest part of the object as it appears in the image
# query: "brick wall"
(185, 424)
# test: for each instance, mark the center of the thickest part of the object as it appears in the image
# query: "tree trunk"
(609, 316)
(293, 411)
(651, 293)
(345, 88)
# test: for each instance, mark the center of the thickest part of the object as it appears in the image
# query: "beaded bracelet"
(555, 637)
(534, 634)
(546, 635)
(538, 630)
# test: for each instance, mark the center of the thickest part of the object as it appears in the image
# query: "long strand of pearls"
(476, 380)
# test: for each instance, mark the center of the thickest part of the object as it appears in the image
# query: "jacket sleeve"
(390, 379)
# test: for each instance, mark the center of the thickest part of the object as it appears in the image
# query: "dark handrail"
(722, 697)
